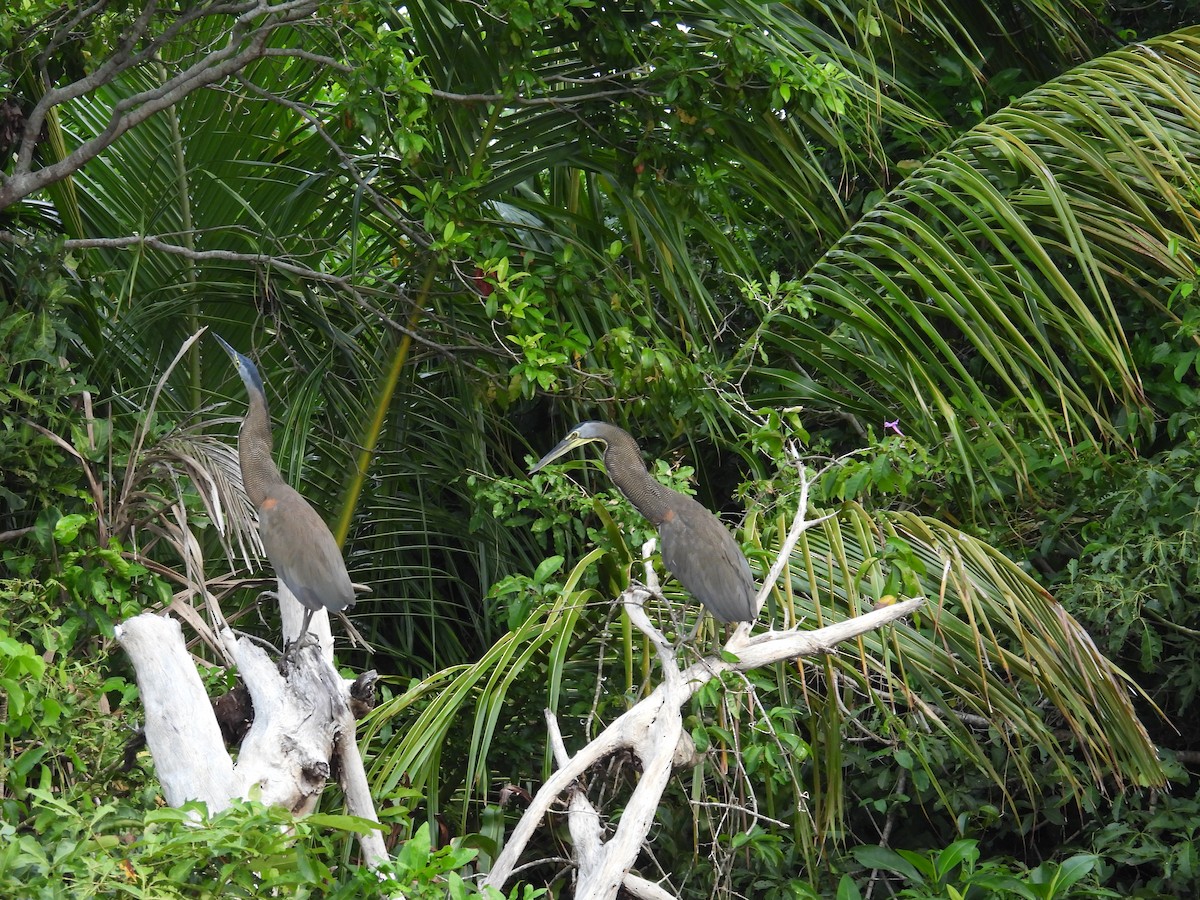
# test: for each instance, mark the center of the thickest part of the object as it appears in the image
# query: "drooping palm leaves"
(980, 286)
(984, 289)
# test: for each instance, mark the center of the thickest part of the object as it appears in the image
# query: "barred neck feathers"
(623, 460)
(259, 472)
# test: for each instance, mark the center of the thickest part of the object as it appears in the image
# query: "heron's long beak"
(246, 369)
(566, 445)
(233, 354)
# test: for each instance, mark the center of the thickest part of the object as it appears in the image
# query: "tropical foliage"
(951, 246)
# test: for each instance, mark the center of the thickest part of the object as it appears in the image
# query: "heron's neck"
(259, 472)
(623, 460)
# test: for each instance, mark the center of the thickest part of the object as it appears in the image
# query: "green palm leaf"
(1009, 248)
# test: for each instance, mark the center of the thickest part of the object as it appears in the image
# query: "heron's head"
(245, 369)
(583, 433)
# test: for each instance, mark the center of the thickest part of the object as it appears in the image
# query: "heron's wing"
(303, 552)
(699, 551)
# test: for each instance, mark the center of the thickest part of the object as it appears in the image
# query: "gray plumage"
(696, 548)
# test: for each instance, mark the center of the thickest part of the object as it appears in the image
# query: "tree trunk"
(302, 721)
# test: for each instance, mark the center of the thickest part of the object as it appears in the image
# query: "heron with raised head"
(696, 548)
(298, 543)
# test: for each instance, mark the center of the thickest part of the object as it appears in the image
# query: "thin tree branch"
(508, 100)
(253, 23)
(266, 261)
(384, 205)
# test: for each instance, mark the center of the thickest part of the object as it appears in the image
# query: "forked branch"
(146, 42)
(653, 732)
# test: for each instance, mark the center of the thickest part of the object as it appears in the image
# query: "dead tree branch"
(653, 732)
(146, 42)
(303, 721)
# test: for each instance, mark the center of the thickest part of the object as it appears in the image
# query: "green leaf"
(547, 568)
(875, 857)
(353, 824)
(67, 528)
(847, 889)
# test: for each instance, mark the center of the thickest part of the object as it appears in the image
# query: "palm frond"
(1009, 248)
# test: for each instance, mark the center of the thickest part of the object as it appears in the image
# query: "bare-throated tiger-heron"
(696, 548)
(299, 544)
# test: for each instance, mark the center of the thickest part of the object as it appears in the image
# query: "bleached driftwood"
(653, 731)
(181, 730)
(302, 723)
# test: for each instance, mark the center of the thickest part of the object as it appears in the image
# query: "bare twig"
(250, 25)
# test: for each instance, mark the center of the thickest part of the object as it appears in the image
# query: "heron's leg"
(691, 640)
(300, 638)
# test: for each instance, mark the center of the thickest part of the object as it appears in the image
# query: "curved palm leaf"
(991, 661)
(1007, 249)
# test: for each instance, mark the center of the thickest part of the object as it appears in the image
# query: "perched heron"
(696, 548)
(299, 544)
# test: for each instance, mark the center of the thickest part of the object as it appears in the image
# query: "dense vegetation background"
(951, 245)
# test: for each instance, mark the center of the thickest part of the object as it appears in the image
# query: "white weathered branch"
(303, 721)
(359, 802)
(800, 524)
(652, 730)
(285, 757)
(181, 730)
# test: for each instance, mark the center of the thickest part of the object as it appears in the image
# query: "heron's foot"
(689, 639)
(308, 639)
(683, 637)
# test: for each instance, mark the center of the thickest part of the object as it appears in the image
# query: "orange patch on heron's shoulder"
(269, 504)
